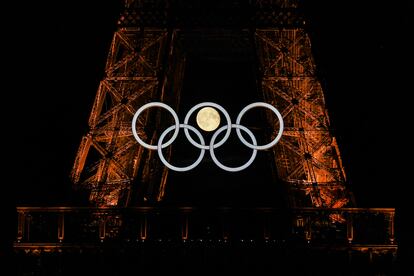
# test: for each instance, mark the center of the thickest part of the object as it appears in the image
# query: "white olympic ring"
(181, 169)
(279, 117)
(155, 104)
(218, 163)
(202, 146)
(228, 126)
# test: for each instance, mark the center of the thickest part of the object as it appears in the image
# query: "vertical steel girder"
(108, 157)
(307, 157)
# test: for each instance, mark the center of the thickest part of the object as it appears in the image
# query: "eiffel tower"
(153, 45)
(230, 52)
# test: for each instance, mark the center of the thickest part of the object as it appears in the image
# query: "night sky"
(59, 50)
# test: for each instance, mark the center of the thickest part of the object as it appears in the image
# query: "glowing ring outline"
(155, 104)
(223, 111)
(233, 169)
(172, 167)
(211, 146)
(281, 125)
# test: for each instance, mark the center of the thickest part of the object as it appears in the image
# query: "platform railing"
(59, 227)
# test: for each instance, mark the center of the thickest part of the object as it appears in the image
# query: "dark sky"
(57, 55)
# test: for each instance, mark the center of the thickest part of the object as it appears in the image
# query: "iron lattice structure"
(145, 63)
(307, 158)
(109, 150)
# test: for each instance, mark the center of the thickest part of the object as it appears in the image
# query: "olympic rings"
(213, 155)
(279, 117)
(212, 145)
(228, 126)
(156, 104)
(182, 169)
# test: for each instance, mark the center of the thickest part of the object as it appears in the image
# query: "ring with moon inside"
(208, 119)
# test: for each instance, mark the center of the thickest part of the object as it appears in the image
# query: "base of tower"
(113, 241)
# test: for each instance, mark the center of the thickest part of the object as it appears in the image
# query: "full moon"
(208, 119)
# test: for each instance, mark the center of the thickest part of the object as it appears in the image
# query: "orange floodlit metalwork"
(143, 62)
(111, 154)
(307, 159)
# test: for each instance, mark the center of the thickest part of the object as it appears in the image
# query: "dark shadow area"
(207, 259)
(215, 73)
